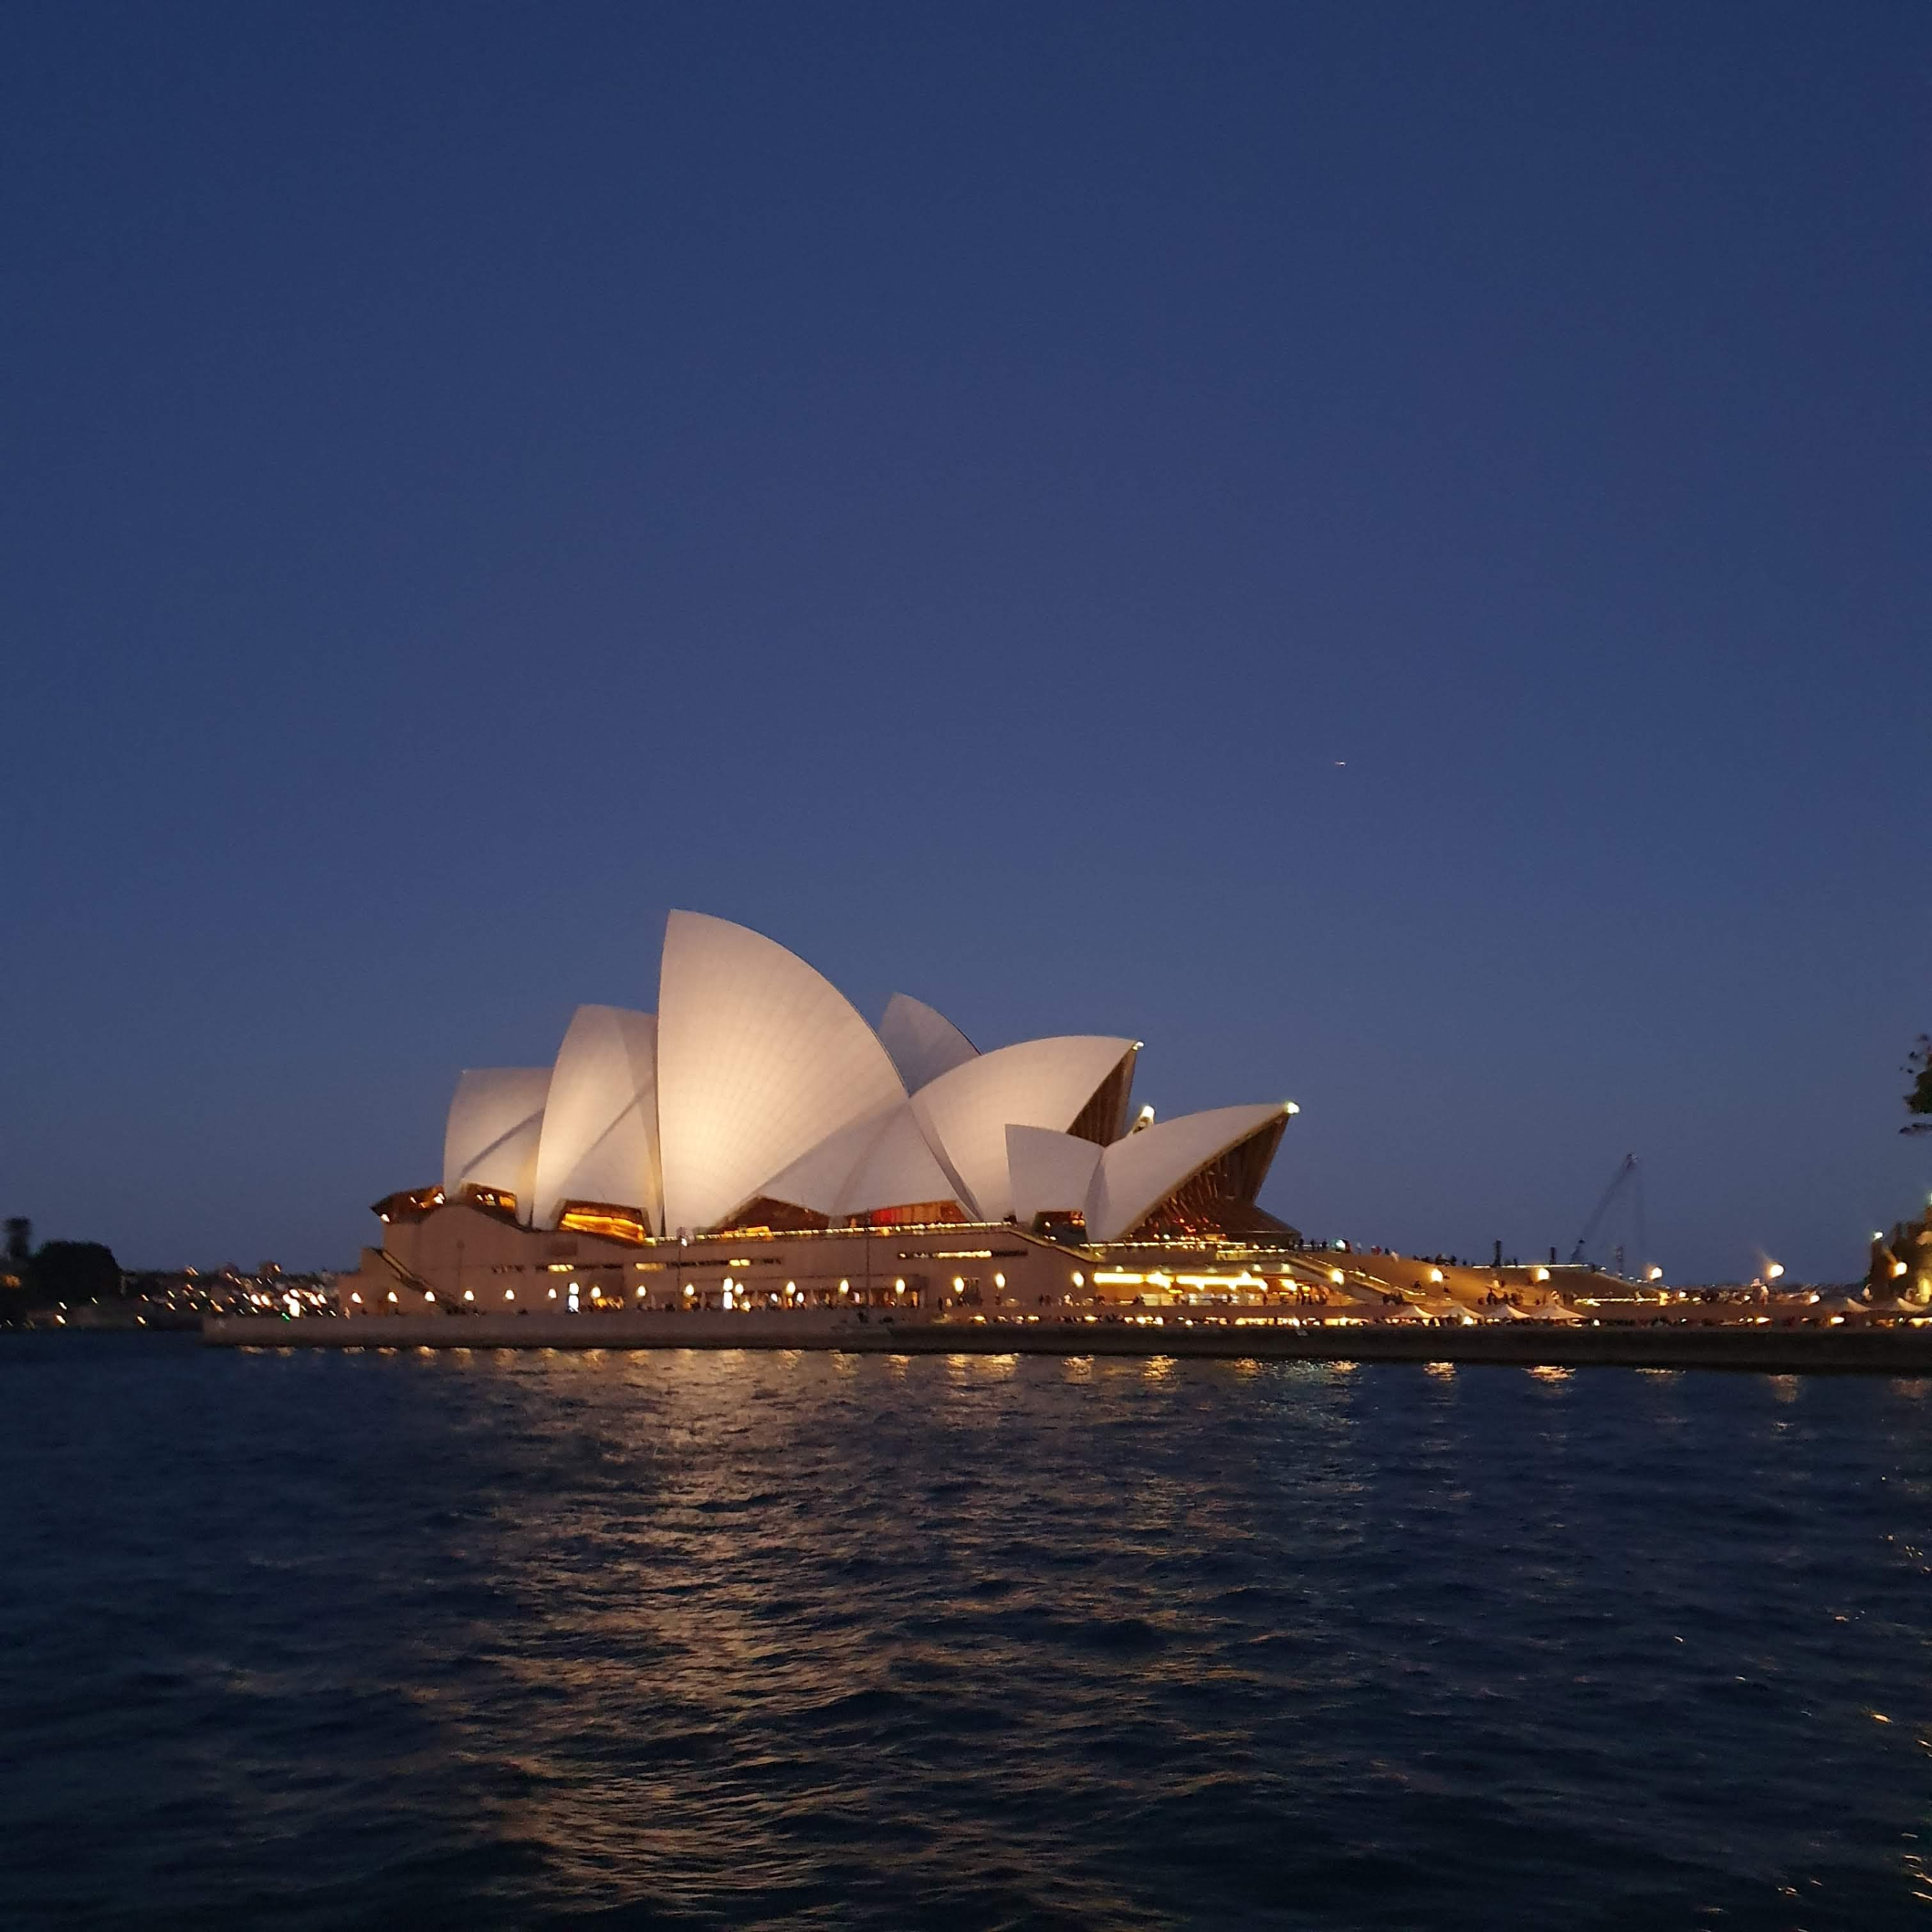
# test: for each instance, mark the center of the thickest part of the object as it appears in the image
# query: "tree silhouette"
(1919, 1100)
(13, 1268)
(71, 1271)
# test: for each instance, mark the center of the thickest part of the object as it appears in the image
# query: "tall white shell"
(490, 1137)
(923, 1043)
(760, 1058)
(1136, 1174)
(964, 1114)
(1049, 1171)
(600, 1123)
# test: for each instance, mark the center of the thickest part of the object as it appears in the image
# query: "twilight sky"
(1383, 551)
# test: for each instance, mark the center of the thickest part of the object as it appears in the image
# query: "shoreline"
(1847, 1350)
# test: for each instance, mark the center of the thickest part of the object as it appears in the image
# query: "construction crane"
(1625, 1185)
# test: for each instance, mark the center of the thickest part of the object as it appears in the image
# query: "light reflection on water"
(706, 1639)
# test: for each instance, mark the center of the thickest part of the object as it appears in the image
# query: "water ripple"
(716, 1640)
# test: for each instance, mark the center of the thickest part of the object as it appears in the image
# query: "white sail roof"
(818, 1179)
(964, 1114)
(757, 1076)
(1049, 1171)
(899, 1170)
(760, 1059)
(880, 1162)
(924, 1043)
(1136, 1174)
(600, 1123)
(490, 1137)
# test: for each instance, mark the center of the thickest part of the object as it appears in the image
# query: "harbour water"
(680, 1640)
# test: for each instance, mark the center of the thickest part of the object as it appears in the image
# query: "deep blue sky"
(1381, 549)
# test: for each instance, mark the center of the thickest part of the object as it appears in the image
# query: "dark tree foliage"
(13, 1268)
(71, 1271)
(1919, 1100)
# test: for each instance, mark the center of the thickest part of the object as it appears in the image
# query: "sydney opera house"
(754, 1141)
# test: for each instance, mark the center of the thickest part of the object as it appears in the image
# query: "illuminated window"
(603, 1218)
(489, 1200)
(914, 1213)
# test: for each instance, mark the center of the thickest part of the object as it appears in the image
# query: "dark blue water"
(292, 1641)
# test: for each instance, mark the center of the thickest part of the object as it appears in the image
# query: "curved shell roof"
(1135, 1175)
(818, 1179)
(1050, 1171)
(924, 1043)
(490, 1137)
(758, 1077)
(898, 1169)
(760, 1059)
(600, 1124)
(964, 1114)
(881, 1163)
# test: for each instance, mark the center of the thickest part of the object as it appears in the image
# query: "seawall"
(1849, 1349)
